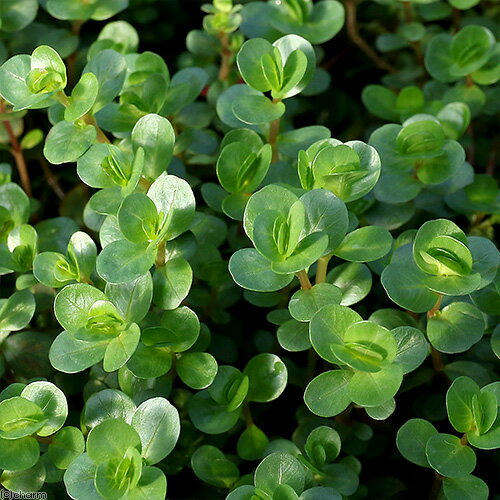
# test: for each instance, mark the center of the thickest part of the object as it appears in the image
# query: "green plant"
(204, 285)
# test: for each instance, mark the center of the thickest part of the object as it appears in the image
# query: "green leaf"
(174, 199)
(278, 469)
(16, 311)
(115, 476)
(308, 251)
(374, 389)
(197, 369)
(327, 394)
(82, 97)
(53, 403)
(132, 298)
(305, 303)
(212, 467)
(466, 487)
(267, 376)
(110, 439)
(257, 109)
(327, 213)
(210, 417)
(20, 417)
(354, 281)
(412, 347)
(135, 260)
(156, 136)
(249, 63)
(19, 454)
(16, 15)
(456, 327)
(405, 286)
(412, 439)
(66, 142)
(73, 304)
(365, 244)
(366, 347)
(138, 218)
(252, 443)
(151, 486)
(13, 85)
(79, 478)
(252, 271)
(448, 456)
(322, 446)
(66, 446)
(158, 425)
(121, 348)
(70, 355)
(106, 404)
(328, 327)
(110, 68)
(172, 283)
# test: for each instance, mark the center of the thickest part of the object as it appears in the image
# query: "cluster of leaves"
(242, 297)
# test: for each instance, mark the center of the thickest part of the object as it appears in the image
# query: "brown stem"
(464, 440)
(457, 19)
(51, 178)
(408, 12)
(226, 57)
(436, 306)
(17, 153)
(471, 149)
(354, 35)
(436, 487)
(305, 284)
(493, 156)
(437, 360)
(322, 268)
(469, 82)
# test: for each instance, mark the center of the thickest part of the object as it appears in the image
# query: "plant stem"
(247, 415)
(51, 178)
(408, 12)
(464, 440)
(436, 487)
(17, 153)
(354, 35)
(322, 268)
(457, 19)
(160, 255)
(226, 56)
(274, 131)
(312, 361)
(305, 284)
(436, 306)
(437, 360)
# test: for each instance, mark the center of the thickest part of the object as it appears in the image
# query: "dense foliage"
(201, 284)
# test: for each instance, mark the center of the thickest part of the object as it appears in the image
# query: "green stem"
(274, 131)
(305, 284)
(247, 415)
(160, 255)
(322, 268)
